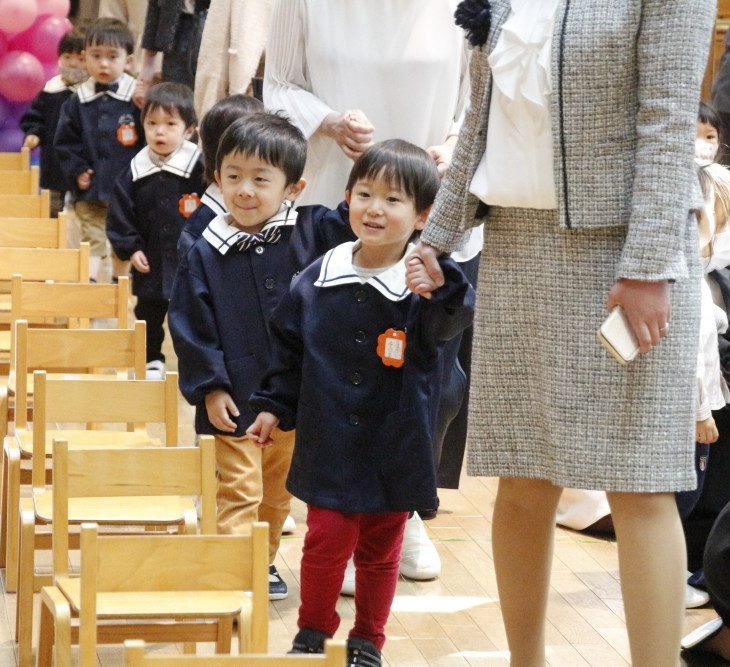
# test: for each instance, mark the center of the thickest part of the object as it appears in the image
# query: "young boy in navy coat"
(152, 199)
(39, 122)
(226, 287)
(212, 126)
(355, 367)
(99, 130)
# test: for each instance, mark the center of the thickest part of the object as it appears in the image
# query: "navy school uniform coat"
(211, 205)
(41, 119)
(86, 136)
(364, 430)
(145, 215)
(222, 301)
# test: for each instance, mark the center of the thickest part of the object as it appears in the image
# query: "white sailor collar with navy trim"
(87, 90)
(222, 234)
(213, 199)
(57, 85)
(181, 162)
(337, 269)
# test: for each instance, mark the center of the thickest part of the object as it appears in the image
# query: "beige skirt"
(547, 401)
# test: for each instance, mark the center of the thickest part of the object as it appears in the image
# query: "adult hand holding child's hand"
(352, 131)
(423, 273)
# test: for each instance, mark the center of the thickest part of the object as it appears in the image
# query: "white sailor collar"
(213, 199)
(181, 162)
(337, 269)
(87, 90)
(222, 234)
(57, 85)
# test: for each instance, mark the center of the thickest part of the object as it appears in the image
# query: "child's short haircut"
(171, 97)
(109, 32)
(217, 120)
(404, 166)
(269, 136)
(71, 42)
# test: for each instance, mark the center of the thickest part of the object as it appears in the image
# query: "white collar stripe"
(87, 90)
(223, 234)
(213, 198)
(181, 162)
(56, 85)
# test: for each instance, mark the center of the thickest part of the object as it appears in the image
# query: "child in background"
(355, 368)
(153, 197)
(39, 122)
(212, 126)
(99, 131)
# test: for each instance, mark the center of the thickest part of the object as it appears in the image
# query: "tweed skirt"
(547, 401)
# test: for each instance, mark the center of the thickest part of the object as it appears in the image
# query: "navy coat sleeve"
(34, 118)
(69, 143)
(318, 230)
(191, 318)
(279, 393)
(122, 228)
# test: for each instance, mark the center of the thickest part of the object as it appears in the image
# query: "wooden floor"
(454, 620)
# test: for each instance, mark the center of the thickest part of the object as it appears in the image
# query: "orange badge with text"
(392, 347)
(188, 204)
(127, 134)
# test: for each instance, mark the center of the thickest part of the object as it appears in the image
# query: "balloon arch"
(29, 34)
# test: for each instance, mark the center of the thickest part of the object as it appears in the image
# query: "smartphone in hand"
(616, 336)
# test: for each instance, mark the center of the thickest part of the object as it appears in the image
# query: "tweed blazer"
(626, 78)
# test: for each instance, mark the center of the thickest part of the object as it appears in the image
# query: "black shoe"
(362, 653)
(309, 641)
(278, 589)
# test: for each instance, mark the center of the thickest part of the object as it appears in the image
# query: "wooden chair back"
(91, 399)
(20, 182)
(16, 160)
(335, 655)
(34, 232)
(26, 206)
(69, 265)
(147, 471)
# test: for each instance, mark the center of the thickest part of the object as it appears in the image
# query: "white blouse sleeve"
(464, 90)
(286, 80)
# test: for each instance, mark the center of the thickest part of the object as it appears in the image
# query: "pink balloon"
(21, 76)
(43, 37)
(57, 8)
(3, 45)
(17, 15)
(50, 70)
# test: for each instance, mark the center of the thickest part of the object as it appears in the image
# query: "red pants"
(332, 537)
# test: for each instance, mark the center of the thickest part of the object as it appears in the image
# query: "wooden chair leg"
(12, 495)
(244, 633)
(225, 632)
(24, 599)
(55, 627)
(3, 509)
(190, 526)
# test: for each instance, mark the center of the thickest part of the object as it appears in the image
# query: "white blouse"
(516, 170)
(402, 62)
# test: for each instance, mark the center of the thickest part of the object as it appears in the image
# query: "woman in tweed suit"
(578, 145)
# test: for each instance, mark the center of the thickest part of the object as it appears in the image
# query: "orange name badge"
(188, 204)
(127, 134)
(392, 347)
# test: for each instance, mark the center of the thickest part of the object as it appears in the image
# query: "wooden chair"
(138, 487)
(26, 206)
(13, 160)
(20, 181)
(202, 582)
(335, 655)
(34, 232)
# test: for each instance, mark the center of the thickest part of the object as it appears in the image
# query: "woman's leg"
(522, 544)
(652, 565)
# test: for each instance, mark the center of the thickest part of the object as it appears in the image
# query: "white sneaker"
(155, 370)
(289, 525)
(695, 597)
(419, 559)
(348, 583)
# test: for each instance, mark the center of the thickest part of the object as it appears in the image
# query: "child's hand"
(706, 431)
(260, 431)
(31, 141)
(352, 131)
(84, 180)
(423, 273)
(417, 275)
(219, 404)
(139, 262)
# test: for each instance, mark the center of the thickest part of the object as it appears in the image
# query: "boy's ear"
(347, 197)
(129, 62)
(189, 132)
(217, 176)
(421, 218)
(295, 189)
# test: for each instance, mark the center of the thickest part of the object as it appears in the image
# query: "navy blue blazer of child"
(223, 297)
(211, 205)
(147, 213)
(364, 428)
(99, 130)
(41, 119)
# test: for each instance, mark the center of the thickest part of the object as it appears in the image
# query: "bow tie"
(248, 241)
(106, 87)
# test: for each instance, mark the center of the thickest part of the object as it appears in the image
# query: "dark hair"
(708, 114)
(171, 97)
(71, 42)
(405, 166)
(109, 32)
(269, 136)
(216, 122)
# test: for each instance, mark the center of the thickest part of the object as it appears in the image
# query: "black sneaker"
(362, 653)
(309, 641)
(278, 589)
